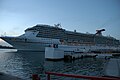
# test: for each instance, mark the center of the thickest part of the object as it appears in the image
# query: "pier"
(52, 53)
(71, 53)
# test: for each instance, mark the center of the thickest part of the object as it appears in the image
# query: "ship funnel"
(99, 32)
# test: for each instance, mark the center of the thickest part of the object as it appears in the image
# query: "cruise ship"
(40, 36)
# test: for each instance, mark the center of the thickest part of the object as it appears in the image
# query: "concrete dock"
(4, 76)
(52, 53)
(113, 68)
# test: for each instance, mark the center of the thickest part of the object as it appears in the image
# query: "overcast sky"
(82, 15)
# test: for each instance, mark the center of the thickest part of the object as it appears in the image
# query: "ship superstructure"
(40, 36)
(46, 31)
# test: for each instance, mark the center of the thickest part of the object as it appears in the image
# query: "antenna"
(57, 25)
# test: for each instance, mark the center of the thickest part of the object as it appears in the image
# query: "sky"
(80, 15)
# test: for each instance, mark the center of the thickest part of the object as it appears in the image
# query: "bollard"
(35, 77)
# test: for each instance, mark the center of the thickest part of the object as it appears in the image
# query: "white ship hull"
(30, 46)
(38, 45)
(25, 45)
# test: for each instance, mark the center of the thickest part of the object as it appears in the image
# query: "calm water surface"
(24, 64)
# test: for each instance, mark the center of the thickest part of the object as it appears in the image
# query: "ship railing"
(79, 76)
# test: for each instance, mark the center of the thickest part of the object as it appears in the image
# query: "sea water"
(23, 64)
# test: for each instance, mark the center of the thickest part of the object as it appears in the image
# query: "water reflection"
(21, 64)
(24, 64)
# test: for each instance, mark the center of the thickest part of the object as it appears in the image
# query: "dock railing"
(78, 76)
